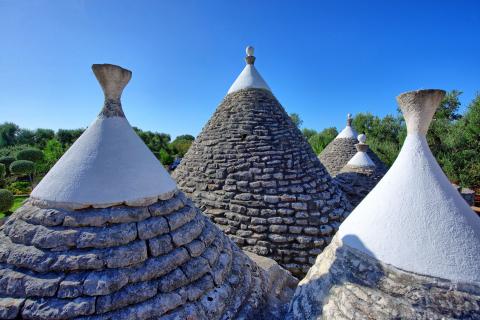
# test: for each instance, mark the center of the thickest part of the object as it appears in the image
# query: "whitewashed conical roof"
(414, 219)
(249, 77)
(361, 158)
(348, 131)
(108, 164)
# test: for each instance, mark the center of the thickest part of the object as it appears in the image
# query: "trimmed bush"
(22, 167)
(6, 200)
(2, 170)
(7, 160)
(30, 154)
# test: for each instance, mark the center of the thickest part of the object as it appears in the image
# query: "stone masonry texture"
(338, 152)
(252, 171)
(345, 283)
(163, 261)
(357, 182)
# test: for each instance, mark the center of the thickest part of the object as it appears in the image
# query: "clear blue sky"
(322, 59)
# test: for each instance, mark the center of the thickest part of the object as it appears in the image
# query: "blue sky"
(322, 59)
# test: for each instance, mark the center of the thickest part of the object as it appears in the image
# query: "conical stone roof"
(255, 175)
(360, 174)
(160, 259)
(338, 152)
(409, 250)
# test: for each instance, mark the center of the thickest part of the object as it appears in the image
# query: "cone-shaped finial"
(113, 80)
(250, 59)
(349, 119)
(418, 108)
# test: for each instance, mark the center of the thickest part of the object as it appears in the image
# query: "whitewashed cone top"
(414, 219)
(108, 164)
(249, 77)
(348, 132)
(361, 158)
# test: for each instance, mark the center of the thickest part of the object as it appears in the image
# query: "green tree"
(461, 143)
(52, 153)
(296, 119)
(165, 157)
(25, 136)
(42, 136)
(308, 133)
(23, 168)
(181, 144)
(30, 154)
(8, 134)
(321, 139)
(67, 137)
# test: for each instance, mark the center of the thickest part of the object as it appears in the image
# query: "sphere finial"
(250, 59)
(362, 138)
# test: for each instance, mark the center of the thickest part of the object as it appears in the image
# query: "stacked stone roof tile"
(161, 260)
(255, 175)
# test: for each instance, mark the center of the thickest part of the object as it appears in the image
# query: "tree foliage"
(22, 167)
(6, 200)
(30, 154)
(296, 119)
(181, 144)
(319, 140)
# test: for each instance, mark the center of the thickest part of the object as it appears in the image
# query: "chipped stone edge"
(141, 202)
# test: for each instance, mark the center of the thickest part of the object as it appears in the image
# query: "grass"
(17, 202)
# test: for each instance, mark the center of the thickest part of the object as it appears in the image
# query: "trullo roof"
(414, 219)
(160, 260)
(360, 175)
(259, 179)
(409, 250)
(109, 164)
(338, 152)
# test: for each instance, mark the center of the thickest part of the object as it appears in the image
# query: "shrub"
(2, 171)
(22, 167)
(165, 158)
(19, 187)
(7, 160)
(30, 154)
(6, 200)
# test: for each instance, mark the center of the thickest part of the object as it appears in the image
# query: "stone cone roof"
(108, 155)
(162, 260)
(252, 171)
(338, 152)
(409, 250)
(359, 176)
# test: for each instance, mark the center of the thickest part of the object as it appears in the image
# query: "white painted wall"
(415, 220)
(109, 164)
(249, 78)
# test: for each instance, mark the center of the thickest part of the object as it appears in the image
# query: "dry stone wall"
(345, 283)
(164, 261)
(254, 174)
(338, 152)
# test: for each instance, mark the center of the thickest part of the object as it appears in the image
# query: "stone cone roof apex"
(414, 219)
(361, 158)
(348, 132)
(249, 77)
(109, 164)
